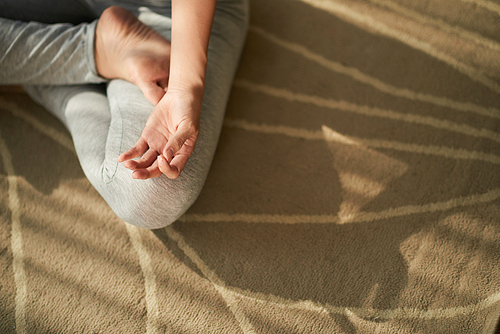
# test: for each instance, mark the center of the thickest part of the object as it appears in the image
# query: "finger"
(177, 164)
(147, 173)
(172, 172)
(135, 152)
(178, 139)
(151, 91)
(145, 161)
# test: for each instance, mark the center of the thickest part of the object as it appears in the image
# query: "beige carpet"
(356, 189)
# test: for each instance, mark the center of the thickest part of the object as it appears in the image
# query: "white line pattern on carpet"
(359, 76)
(341, 10)
(16, 240)
(450, 153)
(149, 278)
(362, 217)
(491, 6)
(330, 135)
(227, 294)
(416, 16)
(370, 313)
(367, 111)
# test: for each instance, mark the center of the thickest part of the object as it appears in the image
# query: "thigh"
(47, 11)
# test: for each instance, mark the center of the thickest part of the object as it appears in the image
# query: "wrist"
(187, 68)
(192, 86)
(187, 75)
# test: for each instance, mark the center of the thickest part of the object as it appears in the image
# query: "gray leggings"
(55, 63)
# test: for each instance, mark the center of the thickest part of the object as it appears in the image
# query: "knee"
(156, 204)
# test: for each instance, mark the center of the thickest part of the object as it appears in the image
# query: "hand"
(168, 138)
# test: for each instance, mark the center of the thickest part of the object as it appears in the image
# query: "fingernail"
(170, 154)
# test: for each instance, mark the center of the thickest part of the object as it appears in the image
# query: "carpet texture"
(355, 189)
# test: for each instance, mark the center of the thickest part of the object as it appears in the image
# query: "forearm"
(191, 26)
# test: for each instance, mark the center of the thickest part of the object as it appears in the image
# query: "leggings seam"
(108, 174)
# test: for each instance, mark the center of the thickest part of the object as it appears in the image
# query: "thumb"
(151, 91)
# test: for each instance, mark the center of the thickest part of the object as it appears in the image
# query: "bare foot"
(125, 48)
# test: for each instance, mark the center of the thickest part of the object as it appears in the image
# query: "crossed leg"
(105, 121)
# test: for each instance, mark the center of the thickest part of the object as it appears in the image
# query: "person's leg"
(34, 52)
(101, 132)
(37, 53)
